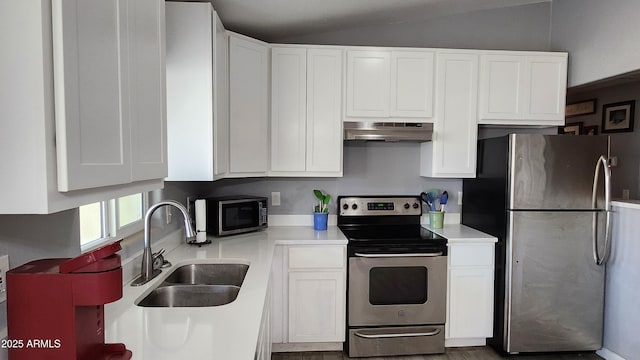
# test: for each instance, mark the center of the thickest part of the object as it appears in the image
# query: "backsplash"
(370, 168)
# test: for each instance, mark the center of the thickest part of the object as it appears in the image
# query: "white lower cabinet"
(309, 297)
(470, 294)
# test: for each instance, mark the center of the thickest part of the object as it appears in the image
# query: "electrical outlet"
(275, 198)
(625, 194)
(459, 197)
(4, 267)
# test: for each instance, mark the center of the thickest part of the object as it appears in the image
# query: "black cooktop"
(390, 233)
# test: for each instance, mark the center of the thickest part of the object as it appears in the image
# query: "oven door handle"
(364, 255)
(364, 335)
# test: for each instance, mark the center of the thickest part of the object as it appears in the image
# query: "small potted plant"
(321, 210)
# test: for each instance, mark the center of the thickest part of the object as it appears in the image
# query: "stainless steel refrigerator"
(546, 198)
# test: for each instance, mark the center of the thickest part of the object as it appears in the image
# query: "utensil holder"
(320, 221)
(436, 219)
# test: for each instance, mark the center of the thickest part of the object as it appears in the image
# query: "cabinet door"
(470, 307)
(316, 306)
(189, 97)
(221, 106)
(368, 80)
(92, 120)
(412, 84)
(452, 152)
(502, 82)
(146, 29)
(324, 104)
(547, 88)
(248, 137)
(522, 89)
(288, 108)
(279, 299)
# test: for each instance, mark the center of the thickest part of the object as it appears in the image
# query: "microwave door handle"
(364, 255)
(364, 335)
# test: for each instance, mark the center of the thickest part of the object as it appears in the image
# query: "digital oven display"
(380, 206)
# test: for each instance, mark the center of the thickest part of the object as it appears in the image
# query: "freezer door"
(554, 289)
(553, 171)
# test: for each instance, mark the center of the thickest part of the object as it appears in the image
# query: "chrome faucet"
(147, 272)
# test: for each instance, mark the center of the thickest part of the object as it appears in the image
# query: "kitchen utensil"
(428, 198)
(443, 200)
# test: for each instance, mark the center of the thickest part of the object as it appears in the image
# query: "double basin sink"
(198, 285)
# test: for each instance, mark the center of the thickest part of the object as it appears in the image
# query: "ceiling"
(272, 20)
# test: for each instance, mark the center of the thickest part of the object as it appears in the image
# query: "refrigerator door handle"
(602, 160)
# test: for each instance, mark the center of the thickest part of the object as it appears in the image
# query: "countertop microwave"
(230, 215)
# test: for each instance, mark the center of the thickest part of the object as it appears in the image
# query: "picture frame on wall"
(585, 107)
(618, 117)
(571, 128)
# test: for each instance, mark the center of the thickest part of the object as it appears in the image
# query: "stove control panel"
(372, 206)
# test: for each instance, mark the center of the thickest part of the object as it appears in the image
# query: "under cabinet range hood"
(387, 131)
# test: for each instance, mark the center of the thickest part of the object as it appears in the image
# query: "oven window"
(398, 285)
(239, 216)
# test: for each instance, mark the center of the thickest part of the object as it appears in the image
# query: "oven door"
(397, 289)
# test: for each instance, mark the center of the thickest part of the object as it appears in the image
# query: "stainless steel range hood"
(387, 131)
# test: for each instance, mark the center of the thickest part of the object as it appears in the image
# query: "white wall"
(626, 146)
(622, 313)
(513, 28)
(602, 37)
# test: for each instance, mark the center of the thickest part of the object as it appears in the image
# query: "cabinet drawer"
(471, 255)
(311, 257)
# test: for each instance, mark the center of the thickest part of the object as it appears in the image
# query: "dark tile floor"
(471, 353)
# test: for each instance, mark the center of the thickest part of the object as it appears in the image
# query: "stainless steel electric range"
(397, 277)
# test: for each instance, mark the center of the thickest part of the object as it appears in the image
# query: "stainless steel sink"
(190, 296)
(208, 274)
(198, 285)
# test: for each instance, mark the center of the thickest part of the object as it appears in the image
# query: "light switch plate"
(4, 267)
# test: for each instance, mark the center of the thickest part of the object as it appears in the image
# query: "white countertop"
(220, 332)
(630, 204)
(458, 233)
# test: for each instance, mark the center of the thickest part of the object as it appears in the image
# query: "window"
(107, 220)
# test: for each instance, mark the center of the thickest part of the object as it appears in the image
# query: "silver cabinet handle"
(602, 162)
(396, 335)
(439, 253)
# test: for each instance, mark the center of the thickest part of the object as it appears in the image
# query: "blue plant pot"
(320, 221)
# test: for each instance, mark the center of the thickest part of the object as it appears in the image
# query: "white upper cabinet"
(288, 109)
(412, 84)
(306, 125)
(519, 88)
(93, 131)
(393, 84)
(197, 92)
(452, 152)
(109, 92)
(83, 87)
(324, 111)
(147, 89)
(368, 80)
(248, 107)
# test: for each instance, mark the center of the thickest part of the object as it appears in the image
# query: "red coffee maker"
(55, 307)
